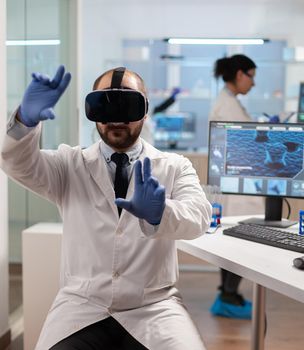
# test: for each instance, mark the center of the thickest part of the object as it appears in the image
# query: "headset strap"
(117, 77)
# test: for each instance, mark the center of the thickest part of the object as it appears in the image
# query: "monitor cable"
(288, 208)
(265, 329)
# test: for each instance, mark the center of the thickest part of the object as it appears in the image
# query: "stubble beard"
(119, 137)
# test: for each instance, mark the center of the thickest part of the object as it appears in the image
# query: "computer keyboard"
(267, 235)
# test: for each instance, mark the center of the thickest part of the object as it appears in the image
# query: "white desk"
(265, 266)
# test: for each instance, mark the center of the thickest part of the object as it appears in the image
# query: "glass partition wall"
(41, 34)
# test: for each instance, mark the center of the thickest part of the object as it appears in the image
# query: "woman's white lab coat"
(112, 265)
(228, 108)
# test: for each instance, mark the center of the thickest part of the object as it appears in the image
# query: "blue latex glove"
(175, 91)
(272, 118)
(148, 201)
(41, 96)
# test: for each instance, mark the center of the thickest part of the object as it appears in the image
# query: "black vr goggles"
(116, 104)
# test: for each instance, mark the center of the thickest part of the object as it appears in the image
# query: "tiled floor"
(285, 317)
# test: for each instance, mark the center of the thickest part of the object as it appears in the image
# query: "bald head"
(130, 80)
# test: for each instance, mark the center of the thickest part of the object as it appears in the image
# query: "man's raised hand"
(41, 96)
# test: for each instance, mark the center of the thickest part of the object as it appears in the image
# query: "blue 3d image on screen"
(276, 154)
(257, 158)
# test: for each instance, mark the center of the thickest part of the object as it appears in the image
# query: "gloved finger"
(160, 193)
(124, 204)
(47, 113)
(147, 169)
(138, 173)
(153, 181)
(64, 82)
(35, 76)
(176, 91)
(58, 77)
(44, 79)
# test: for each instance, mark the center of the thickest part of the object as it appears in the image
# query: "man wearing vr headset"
(119, 262)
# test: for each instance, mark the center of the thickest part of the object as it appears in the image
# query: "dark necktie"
(121, 181)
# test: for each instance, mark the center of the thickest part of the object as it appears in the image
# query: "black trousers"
(230, 281)
(107, 334)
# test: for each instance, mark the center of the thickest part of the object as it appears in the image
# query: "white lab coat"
(228, 108)
(113, 265)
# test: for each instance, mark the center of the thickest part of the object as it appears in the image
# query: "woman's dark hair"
(227, 67)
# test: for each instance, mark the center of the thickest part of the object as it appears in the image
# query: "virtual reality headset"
(116, 104)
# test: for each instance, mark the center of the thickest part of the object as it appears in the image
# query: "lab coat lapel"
(98, 170)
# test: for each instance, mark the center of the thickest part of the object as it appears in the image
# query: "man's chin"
(119, 143)
(120, 139)
(117, 133)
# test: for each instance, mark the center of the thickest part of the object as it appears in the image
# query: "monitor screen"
(174, 127)
(257, 159)
(301, 104)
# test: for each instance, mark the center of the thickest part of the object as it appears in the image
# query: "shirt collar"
(133, 152)
(229, 92)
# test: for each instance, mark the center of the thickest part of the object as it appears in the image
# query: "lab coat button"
(115, 275)
(119, 231)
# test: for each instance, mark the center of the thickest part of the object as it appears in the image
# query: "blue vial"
(301, 222)
(217, 214)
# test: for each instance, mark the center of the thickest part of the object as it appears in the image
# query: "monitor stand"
(273, 215)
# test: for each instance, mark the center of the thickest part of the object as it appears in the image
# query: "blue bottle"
(217, 214)
(301, 222)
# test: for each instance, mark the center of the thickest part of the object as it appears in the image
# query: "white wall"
(3, 182)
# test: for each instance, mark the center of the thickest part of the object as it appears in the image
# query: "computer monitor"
(258, 159)
(301, 104)
(174, 129)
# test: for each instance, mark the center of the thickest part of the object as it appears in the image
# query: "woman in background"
(238, 73)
